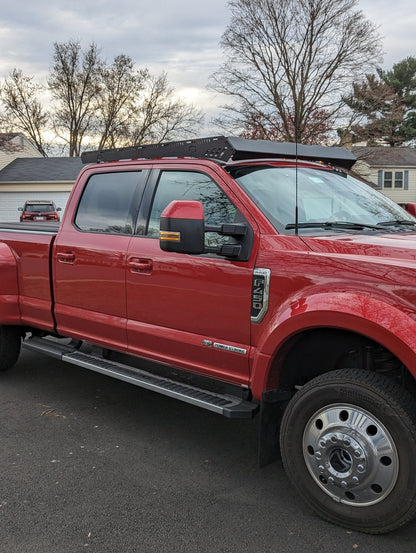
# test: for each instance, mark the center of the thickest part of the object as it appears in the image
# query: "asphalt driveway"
(89, 463)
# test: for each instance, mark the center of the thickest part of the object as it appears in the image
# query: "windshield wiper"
(397, 222)
(331, 224)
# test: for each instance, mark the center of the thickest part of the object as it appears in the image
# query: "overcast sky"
(180, 37)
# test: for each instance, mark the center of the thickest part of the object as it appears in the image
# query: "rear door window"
(109, 203)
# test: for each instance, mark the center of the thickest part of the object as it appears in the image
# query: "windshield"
(324, 196)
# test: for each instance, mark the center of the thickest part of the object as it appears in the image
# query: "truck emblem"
(224, 347)
(232, 349)
(260, 294)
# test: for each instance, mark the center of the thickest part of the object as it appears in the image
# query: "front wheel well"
(313, 353)
(318, 351)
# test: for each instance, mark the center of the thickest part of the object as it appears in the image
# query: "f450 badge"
(260, 294)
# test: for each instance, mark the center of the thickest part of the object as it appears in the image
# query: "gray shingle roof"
(45, 169)
(8, 135)
(383, 156)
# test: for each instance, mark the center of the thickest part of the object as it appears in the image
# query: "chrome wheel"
(348, 443)
(350, 454)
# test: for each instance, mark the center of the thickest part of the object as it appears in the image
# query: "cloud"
(150, 32)
(396, 24)
(180, 37)
(177, 37)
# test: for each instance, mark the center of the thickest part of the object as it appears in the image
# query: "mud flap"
(271, 411)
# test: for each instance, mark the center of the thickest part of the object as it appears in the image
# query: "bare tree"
(121, 87)
(317, 129)
(22, 108)
(75, 85)
(160, 116)
(96, 104)
(292, 58)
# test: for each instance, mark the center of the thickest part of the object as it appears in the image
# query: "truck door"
(89, 259)
(190, 311)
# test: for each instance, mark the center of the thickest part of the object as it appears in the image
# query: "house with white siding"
(392, 170)
(14, 145)
(44, 178)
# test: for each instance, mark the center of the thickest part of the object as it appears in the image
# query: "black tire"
(348, 444)
(10, 342)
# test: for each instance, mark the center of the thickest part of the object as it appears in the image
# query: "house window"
(388, 179)
(398, 179)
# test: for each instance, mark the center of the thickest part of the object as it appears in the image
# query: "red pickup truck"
(281, 283)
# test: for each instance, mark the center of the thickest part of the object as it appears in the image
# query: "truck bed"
(30, 245)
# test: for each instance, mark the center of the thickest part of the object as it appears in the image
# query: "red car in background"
(39, 210)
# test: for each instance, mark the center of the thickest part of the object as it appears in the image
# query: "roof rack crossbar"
(221, 148)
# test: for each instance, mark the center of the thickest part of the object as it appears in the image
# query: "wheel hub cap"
(350, 454)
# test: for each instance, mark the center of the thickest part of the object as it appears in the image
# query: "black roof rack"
(225, 149)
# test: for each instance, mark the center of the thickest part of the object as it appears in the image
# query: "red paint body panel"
(193, 210)
(89, 285)
(353, 283)
(31, 273)
(9, 310)
(184, 301)
(8, 268)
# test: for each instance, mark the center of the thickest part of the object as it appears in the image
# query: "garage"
(36, 179)
(11, 201)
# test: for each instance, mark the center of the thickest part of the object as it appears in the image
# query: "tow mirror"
(182, 227)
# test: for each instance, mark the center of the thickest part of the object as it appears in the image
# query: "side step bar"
(224, 404)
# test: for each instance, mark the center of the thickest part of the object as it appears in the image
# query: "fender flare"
(9, 287)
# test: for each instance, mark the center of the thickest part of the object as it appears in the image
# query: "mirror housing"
(182, 227)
